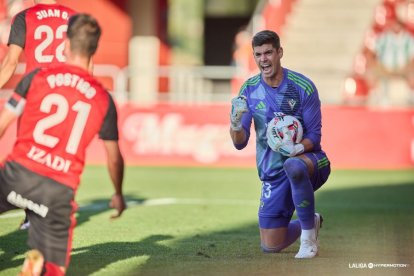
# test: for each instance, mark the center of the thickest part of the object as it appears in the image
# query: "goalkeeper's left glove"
(273, 139)
(288, 147)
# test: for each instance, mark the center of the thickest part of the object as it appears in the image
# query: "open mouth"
(266, 68)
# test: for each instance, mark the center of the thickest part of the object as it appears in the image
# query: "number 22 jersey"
(41, 31)
(62, 108)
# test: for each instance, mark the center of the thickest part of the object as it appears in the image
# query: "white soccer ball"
(280, 121)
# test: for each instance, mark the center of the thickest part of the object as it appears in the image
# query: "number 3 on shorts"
(266, 191)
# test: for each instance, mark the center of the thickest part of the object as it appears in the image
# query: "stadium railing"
(185, 84)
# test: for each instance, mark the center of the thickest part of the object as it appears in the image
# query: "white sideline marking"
(155, 202)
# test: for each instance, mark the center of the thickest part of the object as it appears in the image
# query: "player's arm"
(14, 106)
(9, 64)
(238, 136)
(115, 161)
(6, 118)
(307, 145)
(312, 137)
(312, 122)
(312, 125)
(16, 43)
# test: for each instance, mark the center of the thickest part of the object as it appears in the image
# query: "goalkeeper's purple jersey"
(296, 96)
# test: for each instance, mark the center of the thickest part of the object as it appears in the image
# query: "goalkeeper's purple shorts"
(276, 203)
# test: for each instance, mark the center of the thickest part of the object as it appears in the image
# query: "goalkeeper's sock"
(302, 191)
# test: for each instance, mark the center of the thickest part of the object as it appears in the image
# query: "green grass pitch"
(203, 221)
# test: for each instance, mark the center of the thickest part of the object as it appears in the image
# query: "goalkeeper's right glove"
(238, 107)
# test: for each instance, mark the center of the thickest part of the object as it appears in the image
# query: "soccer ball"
(280, 121)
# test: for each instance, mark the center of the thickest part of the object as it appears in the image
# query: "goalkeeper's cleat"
(33, 264)
(318, 225)
(309, 247)
(25, 224)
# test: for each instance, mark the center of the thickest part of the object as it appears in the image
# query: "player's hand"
(118, 203)
(288, 147)
(238, 107)
(273, 139)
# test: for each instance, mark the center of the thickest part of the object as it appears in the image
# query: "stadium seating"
(358, 89)
(320, 39)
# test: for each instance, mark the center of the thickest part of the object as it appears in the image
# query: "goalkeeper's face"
(268, 59)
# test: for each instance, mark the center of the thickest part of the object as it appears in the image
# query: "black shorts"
(50, 207)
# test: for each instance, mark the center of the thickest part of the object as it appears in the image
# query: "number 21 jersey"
(41, 31)
(62, 108)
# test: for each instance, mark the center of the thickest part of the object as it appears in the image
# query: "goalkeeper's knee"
(295, 168)
(266, 249)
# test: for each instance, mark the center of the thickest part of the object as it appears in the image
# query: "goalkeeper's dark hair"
(266, 37)
(84, 33)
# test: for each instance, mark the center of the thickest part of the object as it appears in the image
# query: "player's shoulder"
(74, 76)
(21, 15)
(301, 81)
(250, 84)
(296, 76)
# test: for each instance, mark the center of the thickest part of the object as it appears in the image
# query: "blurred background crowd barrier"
(198, 135)
(174, 65)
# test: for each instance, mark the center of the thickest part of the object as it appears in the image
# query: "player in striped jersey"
(288, 182)
(390, 58)
(394, 48)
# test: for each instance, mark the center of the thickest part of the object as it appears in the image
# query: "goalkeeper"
(289, 172)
